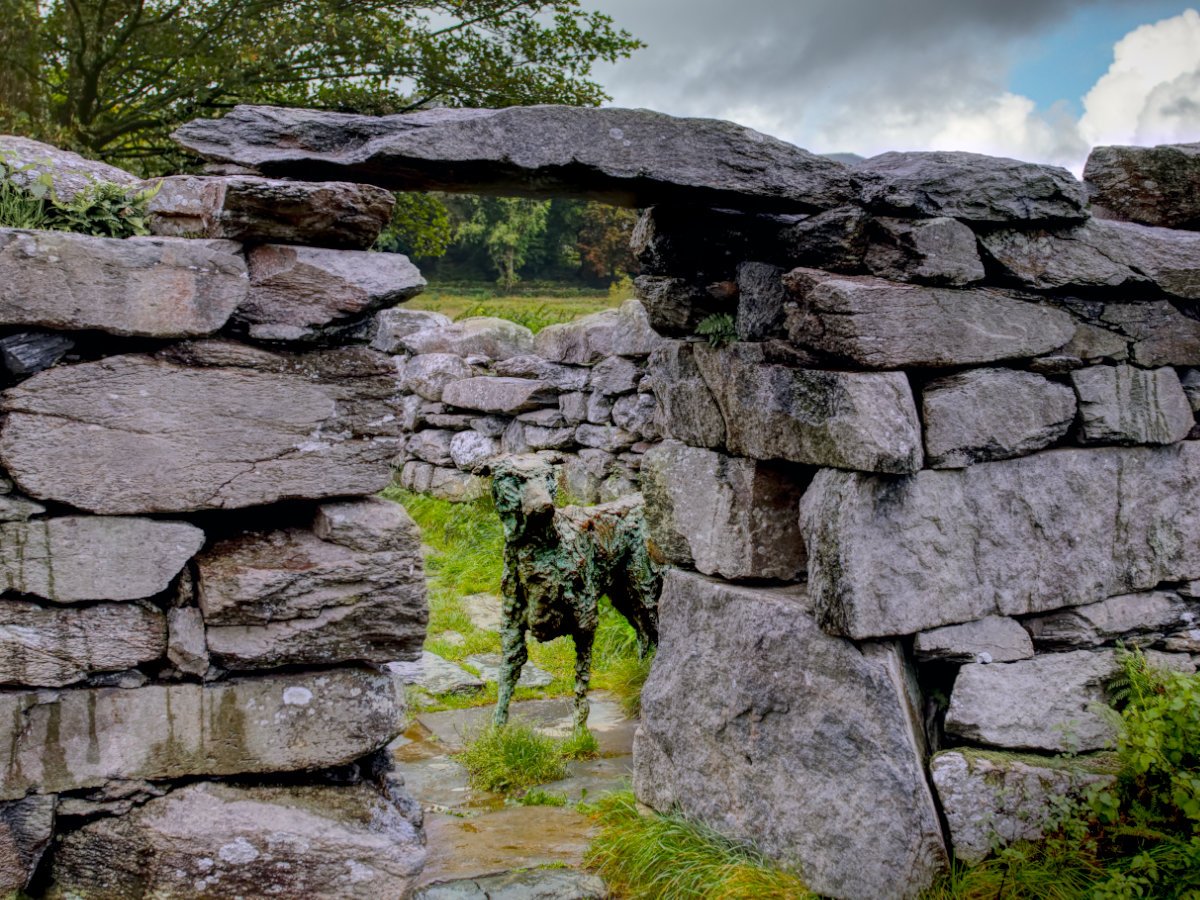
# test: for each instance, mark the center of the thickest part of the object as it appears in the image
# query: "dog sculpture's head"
(523, 488)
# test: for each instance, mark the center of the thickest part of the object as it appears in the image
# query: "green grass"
(512, 757)
(466, 547)
(538, 797)
(535, 305)
(653, 857)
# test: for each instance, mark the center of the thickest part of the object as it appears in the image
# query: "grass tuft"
(581, 744)
(512, 757)
(538, 797)
(653, 857)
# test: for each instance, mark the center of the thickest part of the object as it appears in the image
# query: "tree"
(113, 77)
(604, 233)
(507, 228)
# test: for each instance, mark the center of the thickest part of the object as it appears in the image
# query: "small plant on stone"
(22, 200)
(538, 797)
(103, 209)
(580, 744)
(719, 329)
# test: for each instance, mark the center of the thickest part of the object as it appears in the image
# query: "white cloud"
(1151, 92)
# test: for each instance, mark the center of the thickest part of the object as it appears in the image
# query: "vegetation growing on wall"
(102, 209)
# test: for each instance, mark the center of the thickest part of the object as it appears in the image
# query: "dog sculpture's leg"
(512, 638)
(583, 677)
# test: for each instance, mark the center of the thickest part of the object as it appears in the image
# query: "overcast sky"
(1035, 79)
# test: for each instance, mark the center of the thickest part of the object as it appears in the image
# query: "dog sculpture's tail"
(557, 565)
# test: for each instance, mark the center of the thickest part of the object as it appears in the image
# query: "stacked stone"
(947, 455)
(481, 388)
(200, 591)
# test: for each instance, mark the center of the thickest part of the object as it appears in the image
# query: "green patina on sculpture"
(558, 563)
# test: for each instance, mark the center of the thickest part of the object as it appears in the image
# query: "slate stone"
(620, 156)
(835, 239)
(70, 559)
(624, 331)
(1151, 185)
(987, 414)
(846, 420)
(292, 597)
(432, 445)
(763, 727)
(429, 373)
(615, 375)
(299, 293)
(1127, 405)
(884, 325)
(1053, 702)
(991, 800)
(436, 675)
(456, 486)
(1134, 619)
(970, 187)
(599, 408)
(604, 437)
(26, 829)
(559, 377)
(217, 840)
(542, 438)
(894, 556)
(991, 639)
(1119, 256)
(139, 287)
(77, 739)
(187, 646)
(674, 306)
(468, 449)
(69, 172)
(506, 396)
(722, 515)
(930, 251)
(204, 426)
(266, 210)
(761, 297)
(478, 336)
(488, 666)
(1158, 333)
(42, 647)
(29, 352)
(18, 509)
(688, 411)
(392, 325)
(638, 414)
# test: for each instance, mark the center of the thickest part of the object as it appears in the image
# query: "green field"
(534, 304)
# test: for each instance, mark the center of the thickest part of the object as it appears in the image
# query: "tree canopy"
(112, 78)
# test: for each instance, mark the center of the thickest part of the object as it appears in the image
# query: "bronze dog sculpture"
(557, 565)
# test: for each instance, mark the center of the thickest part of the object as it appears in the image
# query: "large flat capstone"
(764, 727)
(621, 156)
(203, 426)
(1152, 185)
(142, 287)
(217, 841)
(75, 558)
(351, 590)
(72, 739)
(892, 556)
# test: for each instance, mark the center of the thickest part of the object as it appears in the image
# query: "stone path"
(475, 835)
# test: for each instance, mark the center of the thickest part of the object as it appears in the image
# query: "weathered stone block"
(187, 647)
(266, 210)
(218, 840)
(891, 556)
(968, 186)
(431, 445)
(479, 336)
(630, 157)
(761, 296)
(604, 437)
(624, 331)
(615, 375)
(992, 639)
(757, 723)
(429, 373)
(674, 306)
(883, 325)
(687, 409)
(559, 377)
(994, 799)
(987, 414)
(1151, 185)
(69, 172)
(505, 396)
(725, 516)
(30, 352)
(846, 420)
(934, 251)
(70, 559)
(42, 647)
(292, 597)
(26, 828)
(468, 449)
(300, 293)
(74, 739)
(141, 287)
(638, 414)
(392, 325)
(1125, 405)
(1139, 619)
(205, 426)
(1052, 702)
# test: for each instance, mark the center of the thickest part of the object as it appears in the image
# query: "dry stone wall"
(200, 591)
(948, 464)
